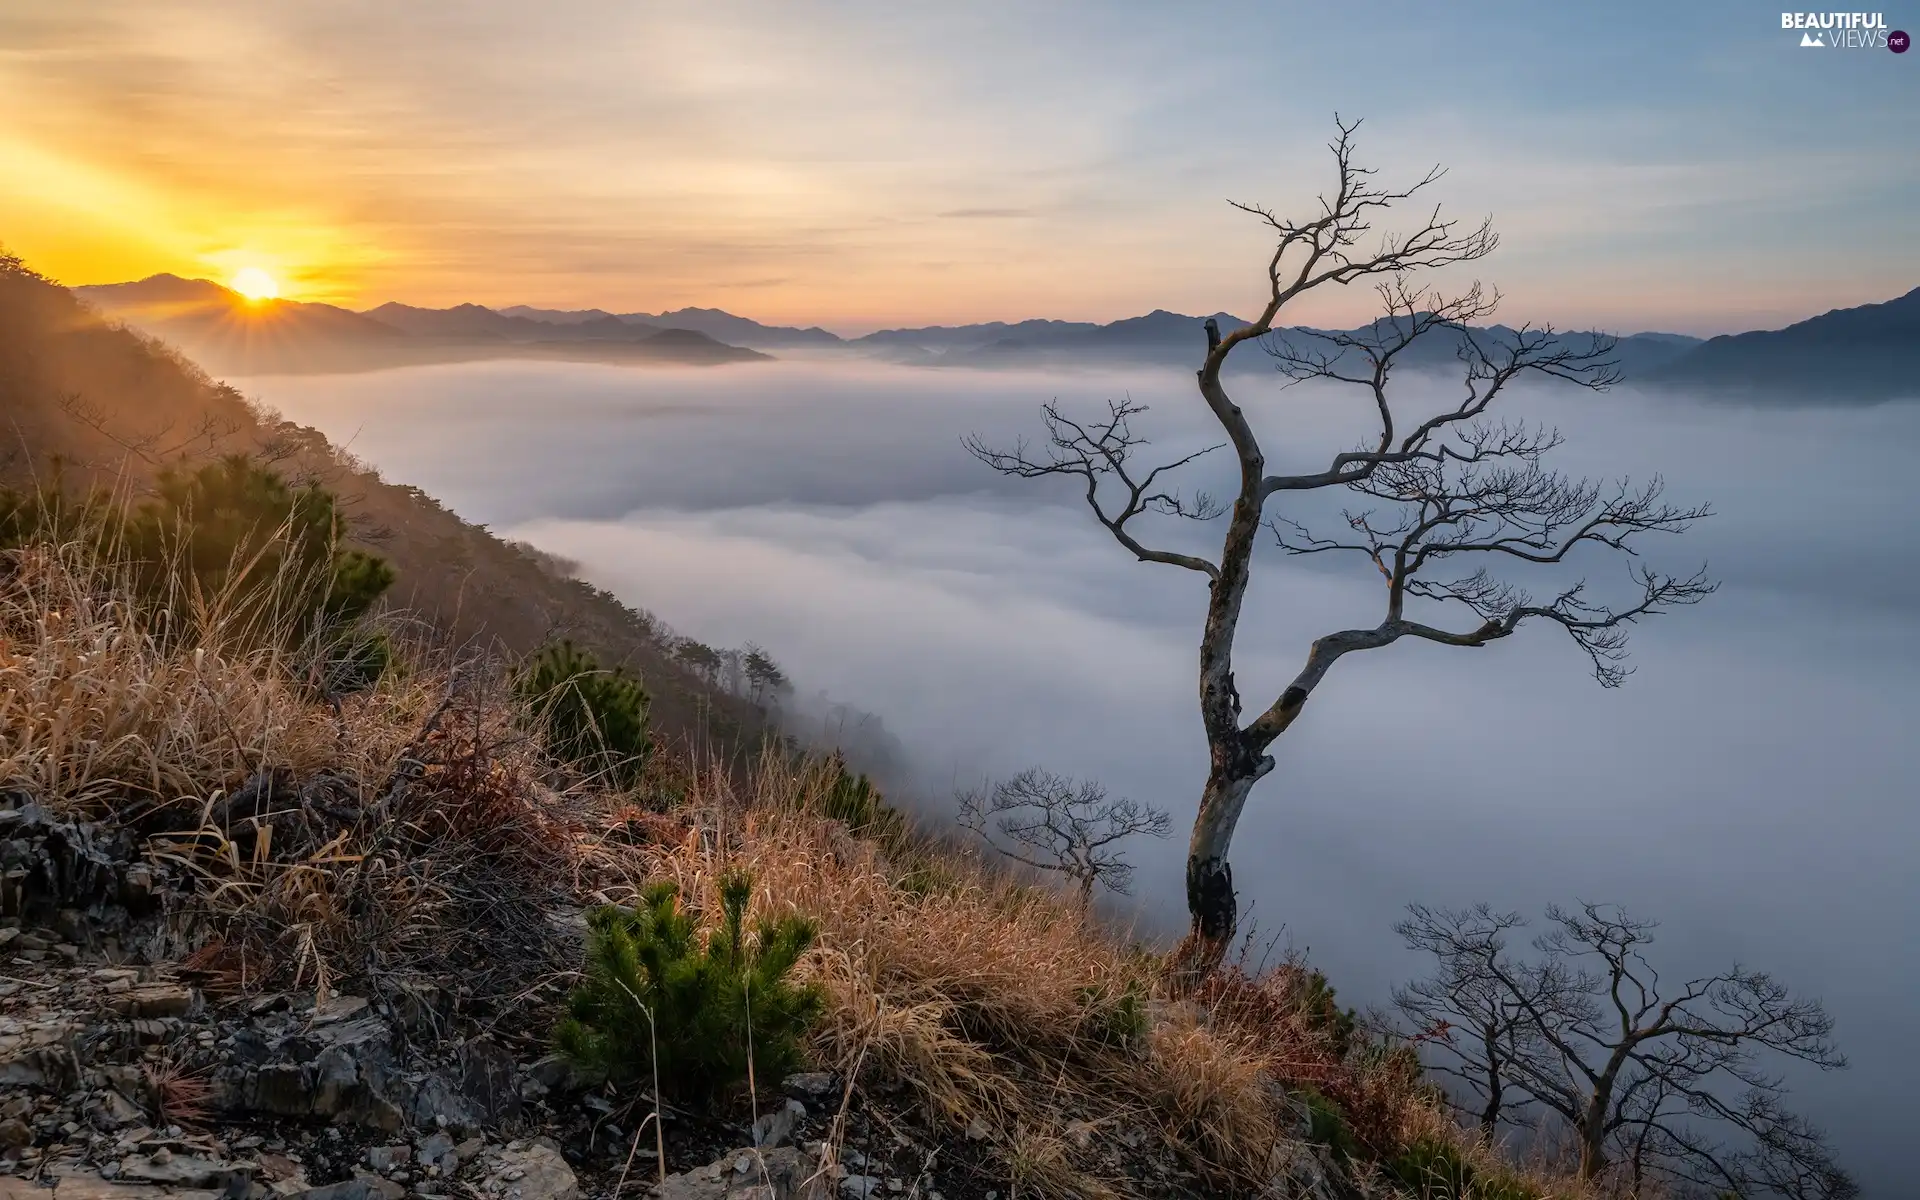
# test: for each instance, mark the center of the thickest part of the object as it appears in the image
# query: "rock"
(783, 1174)
(817, 1089)
(363, 1188)
(862, 1187)
(115, 1110)
(490, 1080)
(383, 1189)
(90, 1187)
(1297, 1172)
(177, 1170)
(777, 1126)
(338, 1008)
(344, 1071)
(533, 1172)
(279, 1166)
(551, 1074)
(434, 1148)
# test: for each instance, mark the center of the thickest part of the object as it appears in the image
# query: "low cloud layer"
(1750, 785)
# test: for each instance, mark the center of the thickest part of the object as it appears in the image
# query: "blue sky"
(1682, 167)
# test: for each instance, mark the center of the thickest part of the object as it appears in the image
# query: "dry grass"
(97, 711)
(405, 827)
(416, 829)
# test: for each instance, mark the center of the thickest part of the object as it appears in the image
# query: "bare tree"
(1053, 823)
(1443, 488)
(1479, 1031)
(1650, 1079)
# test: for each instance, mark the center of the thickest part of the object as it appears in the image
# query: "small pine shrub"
(1327, 1125)
(355, 662)
(1437, 1170)
(1434, 1170)
(359, 579)
(1316, 1000)
(854, 800)
(657, 1002)
(591, 716)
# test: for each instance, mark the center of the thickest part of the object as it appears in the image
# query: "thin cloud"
(964, 214)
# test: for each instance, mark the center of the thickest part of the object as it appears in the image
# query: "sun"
(255, 284)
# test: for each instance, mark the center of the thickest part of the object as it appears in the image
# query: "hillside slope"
(99, 403)
(1863, 355)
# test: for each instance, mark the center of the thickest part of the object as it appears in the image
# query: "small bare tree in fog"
(1660, 1084)
(1477, 1029)
(1069, 827)
(1445, 488)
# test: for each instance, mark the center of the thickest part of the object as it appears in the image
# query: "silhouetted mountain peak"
(1862, 353)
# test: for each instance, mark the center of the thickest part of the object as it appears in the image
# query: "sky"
(1749, 786)
(860, 165)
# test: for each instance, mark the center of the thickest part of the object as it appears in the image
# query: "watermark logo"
(1845, 31)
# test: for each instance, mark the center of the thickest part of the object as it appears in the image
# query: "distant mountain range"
(229, 334)
(1853, 355)
(1866, 353)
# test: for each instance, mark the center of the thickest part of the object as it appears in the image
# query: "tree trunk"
(1235, 764)
(1593, 1129)
(1496, 1091)
(1213, 910)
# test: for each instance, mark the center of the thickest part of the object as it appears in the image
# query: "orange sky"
(858, 164)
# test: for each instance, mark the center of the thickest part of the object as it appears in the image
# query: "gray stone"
(862, 1187)
(362, 1188)
(814, 1088)
(777, 1126)
(435, 1147)
(178, 1170)
(1297, 1172)
(490, 1080)
(783, 1174)
(533, 1172)
(115, 1110)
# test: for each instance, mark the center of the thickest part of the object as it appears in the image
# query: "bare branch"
(1053, 823)
(1100, 452)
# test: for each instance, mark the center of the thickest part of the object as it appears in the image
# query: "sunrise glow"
(255, 284)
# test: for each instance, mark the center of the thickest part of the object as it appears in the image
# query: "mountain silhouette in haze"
(1856, 355)
(715, 323)
(230, 334)
(473, 321)
(1865, 353)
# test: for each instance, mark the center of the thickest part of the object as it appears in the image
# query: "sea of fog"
(1751, 785)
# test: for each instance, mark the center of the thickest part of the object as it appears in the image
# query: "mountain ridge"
(1856, 354)
(234, 335)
